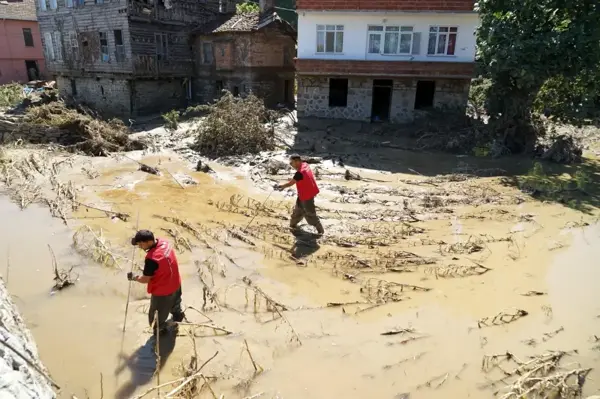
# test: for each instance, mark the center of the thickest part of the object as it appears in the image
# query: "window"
(69, 3)
(207, 53)
(442, 40)
(119, 47)
(99, 1)
(28, 37)
(42, 4)
(74, 43)
(57, 44)
(104, 57)
(48, 46)
(330, 38)
(162, 47)
(393, 40)
(338, 92)
(53, 4)
(425, 94)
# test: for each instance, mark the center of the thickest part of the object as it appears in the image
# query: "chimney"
(266, 5)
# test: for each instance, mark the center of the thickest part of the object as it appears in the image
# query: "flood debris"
(179, 240)
(453, 270)
(504, 317)
(235, 126)
(542, 376)
(94, 245)
(62, 278)
(382, 291)
(76, 129)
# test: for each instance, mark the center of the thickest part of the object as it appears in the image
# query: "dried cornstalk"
(95, 246)
(501, 318)
(62, 278)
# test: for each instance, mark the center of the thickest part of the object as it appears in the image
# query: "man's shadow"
(142, 363)
(305, 244)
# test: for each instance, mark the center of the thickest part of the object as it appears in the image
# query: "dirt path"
(399, 298)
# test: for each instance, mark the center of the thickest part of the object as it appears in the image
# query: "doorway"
(425, 94)
(33, 73)
(382, 100)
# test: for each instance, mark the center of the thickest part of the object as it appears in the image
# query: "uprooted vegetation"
(75, 129)
(235, 126)
(10, 95)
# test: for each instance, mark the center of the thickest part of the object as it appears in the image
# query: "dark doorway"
(382, 100)
(33, 73)
(425, 94)
(73, 88)
(236, 91)
(219, 87)
(287, 92)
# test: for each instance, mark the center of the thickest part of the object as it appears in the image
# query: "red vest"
(166, 279)
(307, 187)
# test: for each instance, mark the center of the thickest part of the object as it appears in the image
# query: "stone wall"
(313, 97)
(156, 95)
(17, 378)
(109, 96)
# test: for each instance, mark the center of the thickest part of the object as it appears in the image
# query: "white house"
(383, 59)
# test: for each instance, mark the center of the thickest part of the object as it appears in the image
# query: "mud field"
(439, 276)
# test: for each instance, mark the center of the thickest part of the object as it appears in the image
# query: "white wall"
(355, 34)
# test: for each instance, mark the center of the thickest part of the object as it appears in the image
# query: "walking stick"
(137, 225)
(262, 206)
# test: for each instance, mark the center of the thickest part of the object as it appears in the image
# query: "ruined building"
(130, 57)
(243, 53)
(384, 60)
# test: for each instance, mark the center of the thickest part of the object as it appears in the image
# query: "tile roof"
(245, 22)
(23, 10)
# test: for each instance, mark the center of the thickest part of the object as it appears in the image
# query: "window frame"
(437, 34)
(30, 37)
(74, 44)
(161, 42)
(104, 50)
(119, 47)
(382, 39)
(324, 30)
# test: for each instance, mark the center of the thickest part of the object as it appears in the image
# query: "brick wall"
(391, 5)
(385, 68)
(109, 96)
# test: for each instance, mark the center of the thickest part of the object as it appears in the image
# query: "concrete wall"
(313, 97)
(110, 96)
(14, 53)
(17, 378)
(355, 37)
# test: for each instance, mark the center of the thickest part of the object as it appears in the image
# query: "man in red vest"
(307, 191)
(161, 274)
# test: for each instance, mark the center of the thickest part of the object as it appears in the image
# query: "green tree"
(247, 6)
(525, 43)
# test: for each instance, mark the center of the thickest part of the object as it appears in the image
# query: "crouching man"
(161, 274)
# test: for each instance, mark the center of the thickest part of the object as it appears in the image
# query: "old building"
(125, 57)
(243, 53)
(21, 55)
(383, 60)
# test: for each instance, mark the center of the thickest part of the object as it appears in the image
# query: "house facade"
(247, 53)
(375, 60)
(125, 57)
(21, 54)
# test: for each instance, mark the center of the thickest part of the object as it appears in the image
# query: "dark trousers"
(306, 210)
(164, 305)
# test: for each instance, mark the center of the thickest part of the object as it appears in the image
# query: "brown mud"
(417, 280)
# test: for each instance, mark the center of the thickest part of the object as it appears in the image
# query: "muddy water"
(79, 333)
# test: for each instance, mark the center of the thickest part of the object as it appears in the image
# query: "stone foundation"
(110, 96)
(313, 97)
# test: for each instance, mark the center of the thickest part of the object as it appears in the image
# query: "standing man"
(161, 273)
(307, 191)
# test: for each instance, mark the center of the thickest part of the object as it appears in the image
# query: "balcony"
(460, 70)
(149, 65)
